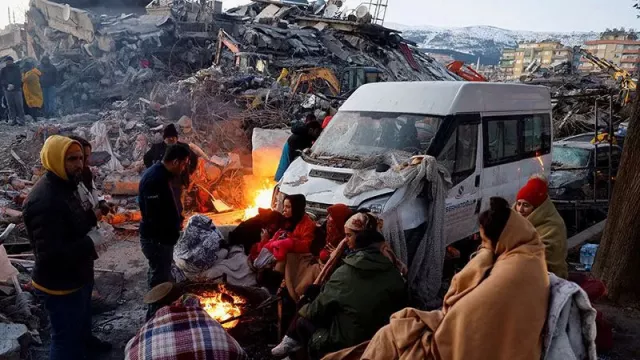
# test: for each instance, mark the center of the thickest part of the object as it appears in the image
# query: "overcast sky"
(540, 15)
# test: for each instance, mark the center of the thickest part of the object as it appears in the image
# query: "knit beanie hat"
(535, 191)
(170, 131)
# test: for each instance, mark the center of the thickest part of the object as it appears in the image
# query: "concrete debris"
(14, 341)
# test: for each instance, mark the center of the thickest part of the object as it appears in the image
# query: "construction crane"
(465, 71)
(627, 82)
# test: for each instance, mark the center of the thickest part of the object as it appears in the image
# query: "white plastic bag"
(101, 143)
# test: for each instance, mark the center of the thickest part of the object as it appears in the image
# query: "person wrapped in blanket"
(294, 237)
(182, 330)
(357, 300)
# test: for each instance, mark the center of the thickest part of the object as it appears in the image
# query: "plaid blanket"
(183, 331)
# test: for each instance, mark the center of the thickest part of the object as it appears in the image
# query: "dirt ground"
(626, 331)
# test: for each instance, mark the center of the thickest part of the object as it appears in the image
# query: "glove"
(96, 237)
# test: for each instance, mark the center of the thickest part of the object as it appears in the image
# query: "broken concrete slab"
(118, 184)
(14, 341)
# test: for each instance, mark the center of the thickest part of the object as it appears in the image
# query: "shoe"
(286, 347)
(97, 346)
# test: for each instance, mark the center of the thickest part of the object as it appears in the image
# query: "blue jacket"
(284, 162)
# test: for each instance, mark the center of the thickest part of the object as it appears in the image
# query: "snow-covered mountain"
(486, 42)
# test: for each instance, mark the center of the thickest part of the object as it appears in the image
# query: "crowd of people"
(343, 278)
(27, 89)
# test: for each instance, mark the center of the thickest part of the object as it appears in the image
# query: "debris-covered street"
(197, 180)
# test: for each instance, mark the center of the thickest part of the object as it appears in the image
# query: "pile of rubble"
(574, 97)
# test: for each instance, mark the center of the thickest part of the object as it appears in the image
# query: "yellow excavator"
(627, 83)
(323, 80)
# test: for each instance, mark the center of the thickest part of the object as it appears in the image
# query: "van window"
(537, 134)
(502, 141)
(359, 135)
(459, 154)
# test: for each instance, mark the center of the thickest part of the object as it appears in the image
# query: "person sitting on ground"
(356, 301)
(302, 137)
(182, 330)
(534, 203)
(301, 270)
(495, 308)
(32, 90)
(295, 236)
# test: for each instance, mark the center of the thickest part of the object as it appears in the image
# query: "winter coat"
(553, 232)
(161, 219)
(298, 141)
(49, 75)
(284, 242)
(11, 75)
(284, 163)
(57, 226)
(356, 302)
(31, 88)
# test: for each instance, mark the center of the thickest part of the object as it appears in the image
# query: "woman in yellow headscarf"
(32, 90)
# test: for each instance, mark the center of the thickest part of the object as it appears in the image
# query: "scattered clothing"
(553, 232)
(235, 265)
(183, 331)
(495, 308)
(356, 301)
(571, 323)
(31, 88)
(197, 247)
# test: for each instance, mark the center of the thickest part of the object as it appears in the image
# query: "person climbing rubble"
(156, 154)
(62, 235)
(161, 219)
(11, 82)
(534, 203)
(32, 90)
(48, 81)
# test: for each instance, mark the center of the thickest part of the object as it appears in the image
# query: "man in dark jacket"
(48, 81)
(61, 235)
(161, 220)
(11, 83)
(156, 154)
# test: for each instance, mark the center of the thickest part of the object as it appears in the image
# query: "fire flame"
(539, 158)
(219, 306)
(262, 199)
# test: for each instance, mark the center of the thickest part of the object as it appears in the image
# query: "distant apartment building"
(514, 62)
(619, 47)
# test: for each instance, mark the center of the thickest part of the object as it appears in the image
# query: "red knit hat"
(535, 191)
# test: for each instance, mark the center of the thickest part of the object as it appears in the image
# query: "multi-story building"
(619, 47)
(514, 62)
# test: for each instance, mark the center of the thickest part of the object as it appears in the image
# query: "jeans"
(160, 257)
(70, 317)
(49, 95)
(15, 105)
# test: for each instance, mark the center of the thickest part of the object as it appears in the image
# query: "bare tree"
(618, 259)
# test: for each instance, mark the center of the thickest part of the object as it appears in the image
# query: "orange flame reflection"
(219, 306)
(261, 199)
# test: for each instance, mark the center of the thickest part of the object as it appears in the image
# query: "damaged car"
(578, 165)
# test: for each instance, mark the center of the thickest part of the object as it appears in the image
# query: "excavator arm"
(465, 71)
(627, 83)
(226, 40)
(309, 76)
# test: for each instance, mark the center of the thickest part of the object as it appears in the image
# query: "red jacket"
(282, 243)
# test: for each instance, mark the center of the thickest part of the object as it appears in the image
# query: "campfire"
(261, 199)
(223, 305)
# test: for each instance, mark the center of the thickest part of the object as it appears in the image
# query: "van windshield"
(357, 135)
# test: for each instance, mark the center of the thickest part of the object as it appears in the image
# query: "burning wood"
(223, 305)
(262, 199)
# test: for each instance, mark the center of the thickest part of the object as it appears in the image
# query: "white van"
(490, 136)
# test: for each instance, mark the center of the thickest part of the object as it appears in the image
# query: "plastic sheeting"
(7, 271)
(197, 248)
(101, 143)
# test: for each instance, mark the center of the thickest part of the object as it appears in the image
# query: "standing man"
(11, 82)
(156, 154)
(61, 235)
(161, 221)
(302, 137)
(48, 81)
(32, 90)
